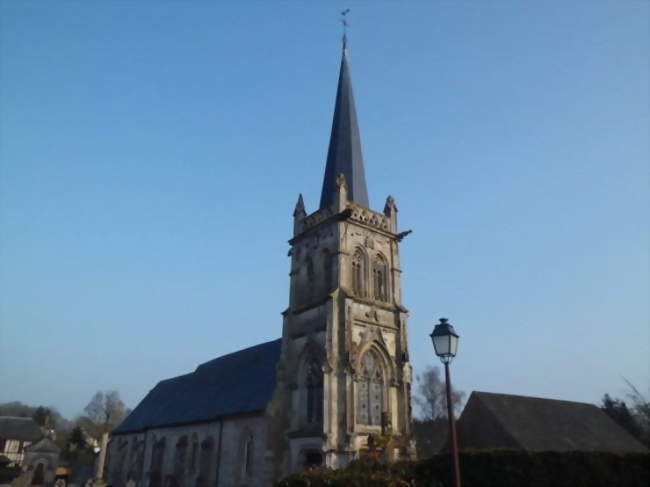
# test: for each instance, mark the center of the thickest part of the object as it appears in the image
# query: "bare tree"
(431, 428)
(431, 395)
(106, 409)
(640, 410)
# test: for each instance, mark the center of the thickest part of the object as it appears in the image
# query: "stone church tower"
(344, 376)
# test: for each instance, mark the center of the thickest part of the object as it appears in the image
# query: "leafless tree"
(431, 395)
(106, 409)
(431, 427)
(640, 410)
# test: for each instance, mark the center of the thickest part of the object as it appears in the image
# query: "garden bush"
(495, 468)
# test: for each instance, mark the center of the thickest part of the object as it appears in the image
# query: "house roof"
(23, 429)
(492, 420)
(239, 383)
(344, 154)
(45, 445)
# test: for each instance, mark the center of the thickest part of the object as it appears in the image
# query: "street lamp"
(445, 344)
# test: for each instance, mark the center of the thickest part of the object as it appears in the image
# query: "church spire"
(344, 154)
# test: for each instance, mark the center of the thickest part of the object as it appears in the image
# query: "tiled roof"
(492, 420)
(15, 428)
(45, 445)
(238, 383)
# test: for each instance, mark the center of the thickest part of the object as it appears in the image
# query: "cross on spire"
(344, 21)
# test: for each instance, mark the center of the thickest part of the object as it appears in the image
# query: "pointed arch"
(194, 453)
(374, 373)
(371, 391)
(180, 459)
(381, 351)
(310, 382)
(156, 465)
(205, 460)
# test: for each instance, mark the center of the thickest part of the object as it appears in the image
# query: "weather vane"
(344, 21)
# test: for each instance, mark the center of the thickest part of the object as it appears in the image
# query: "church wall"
(210, 449)
(236, 433)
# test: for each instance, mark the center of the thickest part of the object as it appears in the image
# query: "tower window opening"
(358, 271)
(379, 277)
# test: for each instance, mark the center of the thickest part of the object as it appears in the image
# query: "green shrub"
(496, 468)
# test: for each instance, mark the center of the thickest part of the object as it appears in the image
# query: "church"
(334, 387)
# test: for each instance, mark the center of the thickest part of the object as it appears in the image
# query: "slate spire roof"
(344, 154)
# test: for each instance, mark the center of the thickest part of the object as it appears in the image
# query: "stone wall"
(229, 452)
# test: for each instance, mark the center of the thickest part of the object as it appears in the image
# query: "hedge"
(8, 473)
(496, 468)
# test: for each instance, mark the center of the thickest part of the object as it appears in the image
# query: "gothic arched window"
(205, 460)
(370, 390)
(137, 459)
(194, 453)
(180, 459)
(156, 465)
(358, 273)
(314, 386)
(380, 278)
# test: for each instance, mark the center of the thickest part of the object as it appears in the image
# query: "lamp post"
(445, 344)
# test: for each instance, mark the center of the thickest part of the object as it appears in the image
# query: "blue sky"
(151, 153)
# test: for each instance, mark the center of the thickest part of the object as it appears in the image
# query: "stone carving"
(371, 218)
(340, 181)
(372, 334)
(386, 424)
(317, 217)
(372, 315)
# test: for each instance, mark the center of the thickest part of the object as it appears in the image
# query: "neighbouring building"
(337, 381)
(23, 443)
(492, 420)
(41, 462)
(15, 435)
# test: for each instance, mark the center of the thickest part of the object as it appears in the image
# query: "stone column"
(99, 474)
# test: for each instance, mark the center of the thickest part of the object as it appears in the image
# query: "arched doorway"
(313, 458)
(39, 474)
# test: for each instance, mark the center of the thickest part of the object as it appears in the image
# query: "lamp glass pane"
(453, 345)
(441, 344)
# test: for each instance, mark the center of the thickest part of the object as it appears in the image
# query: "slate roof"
(45, 445)
(238, 383)
(23, 429)
(344, 154)
(492, 420)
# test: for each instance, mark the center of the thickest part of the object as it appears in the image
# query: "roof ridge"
(236, 352)
(532, 397)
